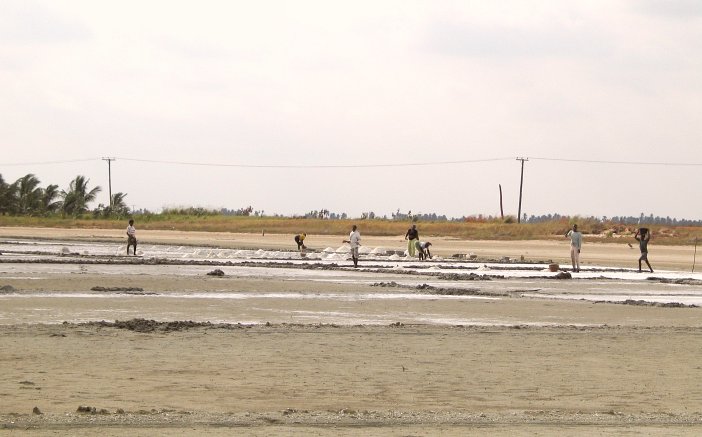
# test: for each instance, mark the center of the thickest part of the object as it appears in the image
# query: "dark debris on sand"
(681, 281)
(144, 325)
(7, 289)
(646, 303)
(98, 288)
(430, 289)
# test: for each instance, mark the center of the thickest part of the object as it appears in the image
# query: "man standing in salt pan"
(412, 235)
(355, 241)
(576, 242)
(643, 236)
(131, 236)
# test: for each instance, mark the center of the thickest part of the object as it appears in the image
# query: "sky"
(422, 106)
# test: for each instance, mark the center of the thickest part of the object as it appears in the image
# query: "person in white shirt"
(355, 242)
(423, 249)
(576, 242)
(131, 236)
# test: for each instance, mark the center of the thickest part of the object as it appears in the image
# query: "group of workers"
(418, 248)
(414, 246)
(421, 248)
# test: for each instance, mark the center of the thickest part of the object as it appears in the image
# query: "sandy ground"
(622, 370)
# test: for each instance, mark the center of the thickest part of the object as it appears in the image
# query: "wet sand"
(596, 368)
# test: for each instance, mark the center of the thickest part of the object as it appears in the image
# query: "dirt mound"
(144, 325)
(7, 289)
(98, 288)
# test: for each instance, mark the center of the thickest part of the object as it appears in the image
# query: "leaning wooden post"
(694, 257)
(502, 211)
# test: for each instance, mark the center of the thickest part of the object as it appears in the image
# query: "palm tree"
(76, 199)
(7, 196)
(48, 199)
(119, 206)
(28, 194)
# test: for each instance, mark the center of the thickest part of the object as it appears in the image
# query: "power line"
(595, 161)
(298, 166)
(67, 161)
(388, 165)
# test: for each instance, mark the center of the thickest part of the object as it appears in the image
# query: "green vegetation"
(25, 203)
(468, 230)
(25, 197)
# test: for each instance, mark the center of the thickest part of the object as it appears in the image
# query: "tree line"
(26, 196)
(642, 219)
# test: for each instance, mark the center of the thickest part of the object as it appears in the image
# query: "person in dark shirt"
(412, 236)
(643, 236)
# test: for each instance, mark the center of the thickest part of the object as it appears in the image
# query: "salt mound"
(342, 249)
(395, 257)
(364, 249)
(328, 250)
(379, 250)
(280, 255)
(259, 252)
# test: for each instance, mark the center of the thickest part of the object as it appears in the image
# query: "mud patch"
(645, 303)
(681, 281)
(144, 325)
(430, 289)
(113, 289)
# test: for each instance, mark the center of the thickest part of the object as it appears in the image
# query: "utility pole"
(109, 176)
(502, 211)
(521, 184)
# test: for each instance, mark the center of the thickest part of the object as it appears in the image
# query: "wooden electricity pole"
(502, 211)
(109, 176)
(521, 184)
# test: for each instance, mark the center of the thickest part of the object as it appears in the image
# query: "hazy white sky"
(277, 97)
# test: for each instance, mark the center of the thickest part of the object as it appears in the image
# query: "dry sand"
(624, 370)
